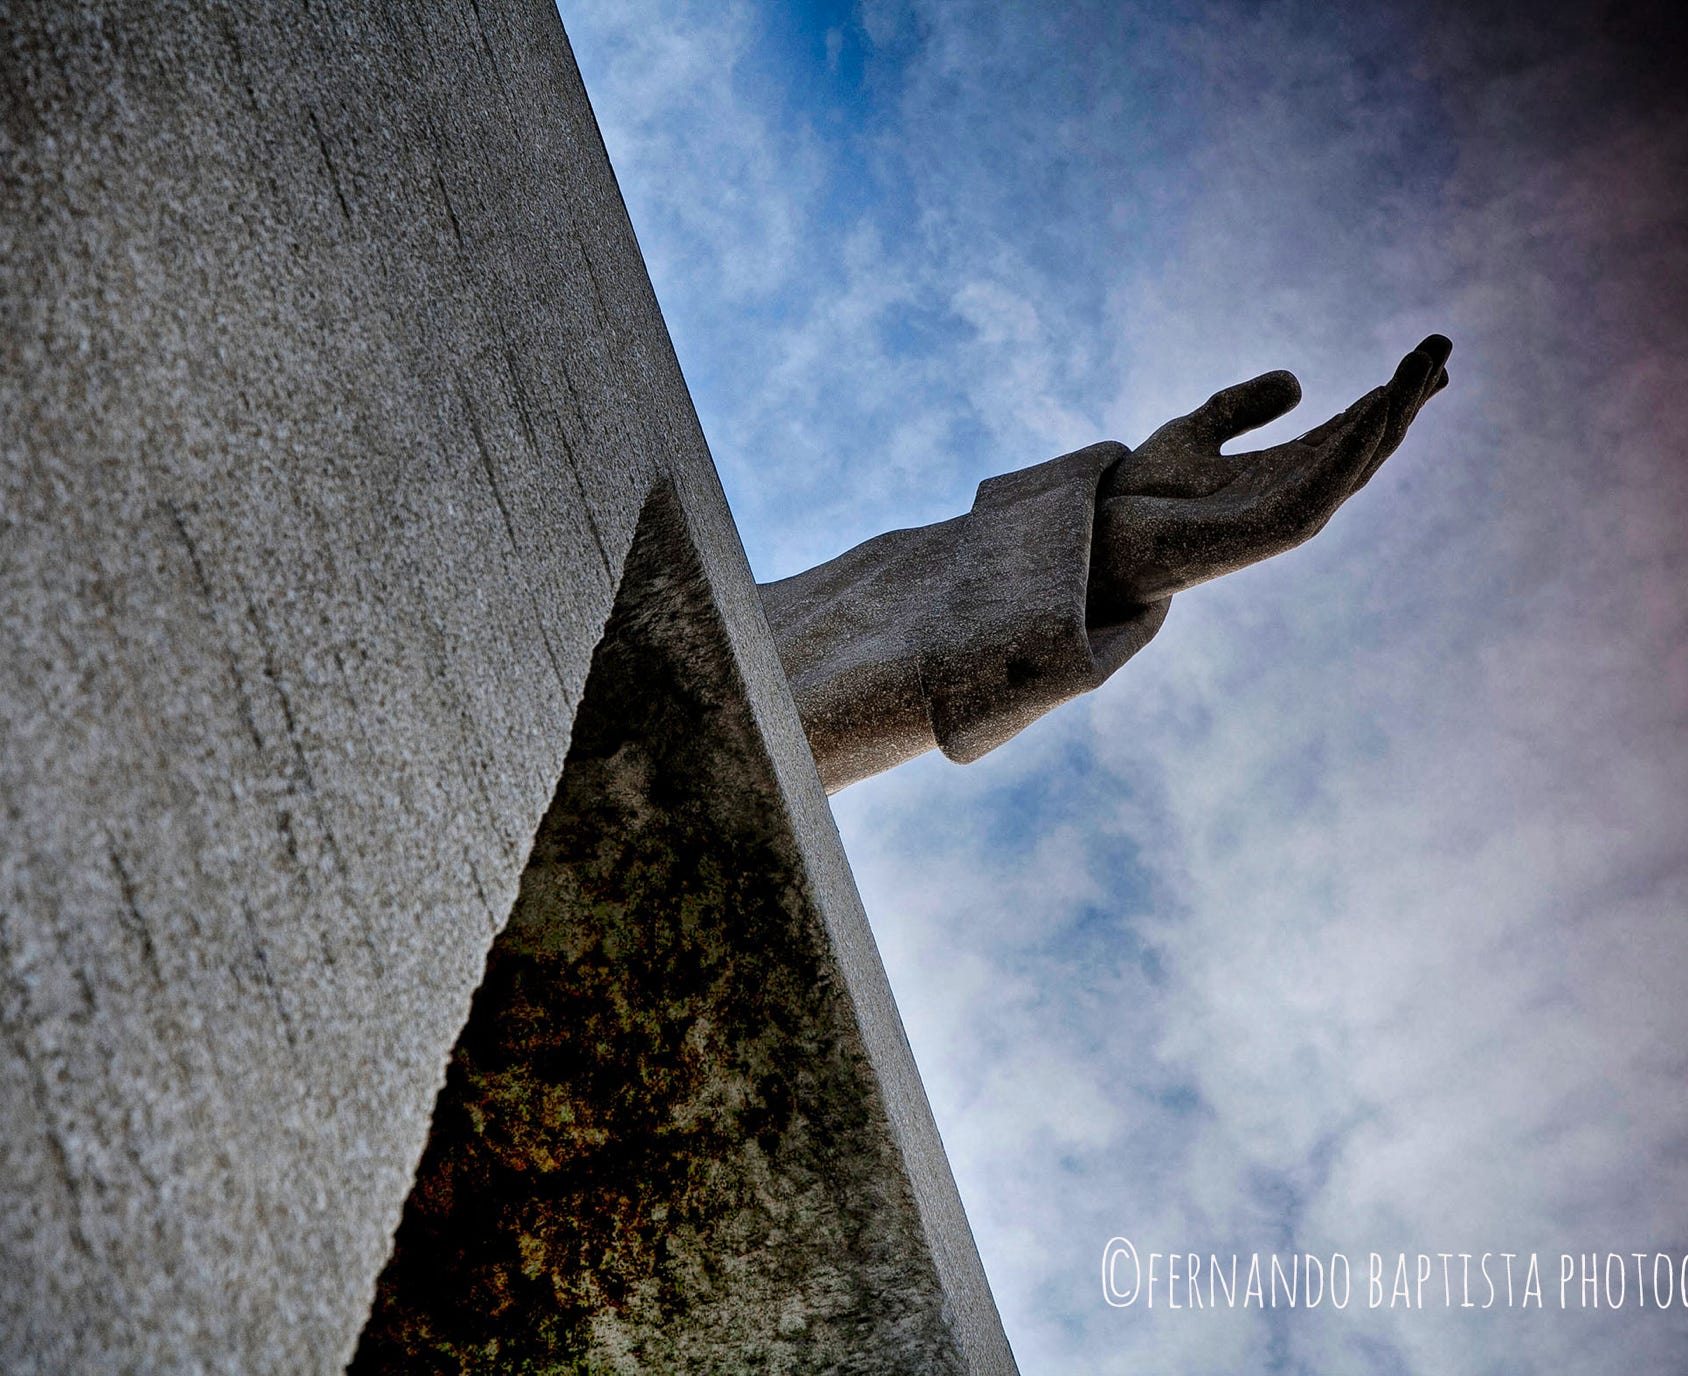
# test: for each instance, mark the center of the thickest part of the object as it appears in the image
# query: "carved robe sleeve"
(955, 635)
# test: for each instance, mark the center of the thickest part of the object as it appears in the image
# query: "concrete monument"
(424, 941)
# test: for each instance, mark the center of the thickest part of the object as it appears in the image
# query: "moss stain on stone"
(660, 1145)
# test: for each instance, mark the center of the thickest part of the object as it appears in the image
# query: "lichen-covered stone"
(660, 1146)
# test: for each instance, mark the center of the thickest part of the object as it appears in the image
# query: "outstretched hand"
(1176, 512)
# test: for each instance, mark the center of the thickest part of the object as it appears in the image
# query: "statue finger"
(1314, 475)
(1394, 404)
(1382, 453)
(1342, 420)
(1438, 348)
(1414, 376)
(1433, 353)
(1234, 411)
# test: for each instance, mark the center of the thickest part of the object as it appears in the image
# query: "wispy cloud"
(1352, 915)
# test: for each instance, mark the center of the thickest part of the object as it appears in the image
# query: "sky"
(1352, 915)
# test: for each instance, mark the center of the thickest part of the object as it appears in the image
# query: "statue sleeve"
(956, 635)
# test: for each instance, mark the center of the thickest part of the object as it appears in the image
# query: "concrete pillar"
(334, 395)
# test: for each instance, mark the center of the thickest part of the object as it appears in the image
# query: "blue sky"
(1350, 915)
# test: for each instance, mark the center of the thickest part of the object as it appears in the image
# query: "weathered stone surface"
(333, 390)
(660, 1146)
(956, 635)
(960, 634)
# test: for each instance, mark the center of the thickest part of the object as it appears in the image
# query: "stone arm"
(956, 635)
(959, 635)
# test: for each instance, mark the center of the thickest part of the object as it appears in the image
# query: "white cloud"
(717, 185)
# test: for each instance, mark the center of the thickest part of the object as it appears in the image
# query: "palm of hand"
(1176, 512)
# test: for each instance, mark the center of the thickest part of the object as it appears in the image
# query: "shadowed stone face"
(660, 1145)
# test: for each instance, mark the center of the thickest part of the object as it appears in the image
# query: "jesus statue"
(960, 634)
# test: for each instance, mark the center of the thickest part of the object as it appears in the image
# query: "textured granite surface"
(959, 635)
(333, 390)
(660, 1146)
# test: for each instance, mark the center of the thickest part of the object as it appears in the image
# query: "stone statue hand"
(1177, 512)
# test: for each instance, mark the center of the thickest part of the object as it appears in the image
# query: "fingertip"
(1413, 371)
(1282, 386)
(1269, 396)
(1438, 346)
(1246, 406)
